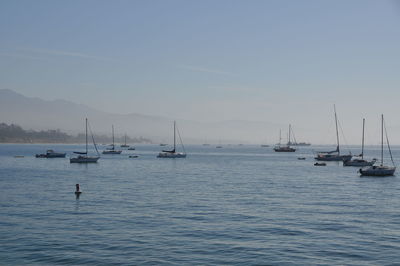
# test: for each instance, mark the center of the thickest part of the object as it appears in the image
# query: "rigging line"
(344, 138)
(94, 142)
(387, 141)
(180, 139)
(294, 137)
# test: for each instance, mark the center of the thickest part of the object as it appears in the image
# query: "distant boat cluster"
(369, 166)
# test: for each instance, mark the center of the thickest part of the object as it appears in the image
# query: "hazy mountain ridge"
(15, 134)
(39, 114)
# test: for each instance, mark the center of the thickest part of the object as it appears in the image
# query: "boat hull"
(284, 149)
(377, 171)
(112, 152)
(329, 157)
(358, 162)
(51, 154)
(171, 155)
(84, 159)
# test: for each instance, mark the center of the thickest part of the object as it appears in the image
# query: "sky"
(275, 61)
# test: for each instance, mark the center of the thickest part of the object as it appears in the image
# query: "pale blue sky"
(278, 61)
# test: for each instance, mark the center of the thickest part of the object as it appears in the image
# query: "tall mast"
(337, 132)
(382, 142)
(125, 138)
(289, 135)
(174, 135)
(86, 138)
(362, 144)
(280, 136)
(112, 126)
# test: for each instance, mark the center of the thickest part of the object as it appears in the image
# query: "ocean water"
(243, 205)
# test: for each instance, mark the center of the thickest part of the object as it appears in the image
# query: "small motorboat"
(133, 156)
(301, 158)
(320, 164)
(51, 154)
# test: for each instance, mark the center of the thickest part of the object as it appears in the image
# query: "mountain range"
(38, 114)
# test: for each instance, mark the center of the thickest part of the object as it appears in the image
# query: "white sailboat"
(286, 148)
(112, 150)
(381, 170)
(334, 155)
(83, 157)
(125, 145)
(360, 161)
(173, 153)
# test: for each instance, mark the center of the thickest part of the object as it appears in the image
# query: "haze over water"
(227, 72)
(235, 205)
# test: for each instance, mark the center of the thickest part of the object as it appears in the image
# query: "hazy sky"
(277, 61)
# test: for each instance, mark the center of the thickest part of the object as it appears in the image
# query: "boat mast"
(382, 142)
(337, 132)
(112, 126)
(362, 145)
(280, 136)
(289, 134)
(86, 138)
(174, 135)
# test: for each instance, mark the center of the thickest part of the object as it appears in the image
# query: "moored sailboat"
(112, 150)
(381, 170)
(83, 156)
(360, 161)
(334, 155)
(172, 153)
(125, 145)
(286, 148)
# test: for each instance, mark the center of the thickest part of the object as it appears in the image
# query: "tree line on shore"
(16, 134)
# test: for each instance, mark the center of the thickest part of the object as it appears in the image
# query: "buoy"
(77, 191)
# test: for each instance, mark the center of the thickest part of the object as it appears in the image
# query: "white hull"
(358, 162)
(330, 157)
(171, 155)
(378, 171)
(84, 159)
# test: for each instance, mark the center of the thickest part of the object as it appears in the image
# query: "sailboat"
(83, 157)
(286, 148)
(334, 155)
(112, 150)
(381, 170)
(219, 146)
(173, 153)
(125, 145)
(360, 162)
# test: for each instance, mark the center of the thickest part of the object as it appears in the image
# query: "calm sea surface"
(237, 205)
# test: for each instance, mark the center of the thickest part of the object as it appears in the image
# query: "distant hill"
(15, 134)
(38, 114)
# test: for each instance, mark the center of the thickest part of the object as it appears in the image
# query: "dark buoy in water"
(77, 191)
